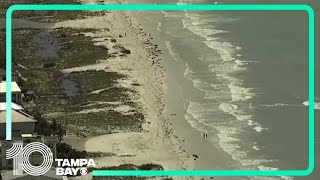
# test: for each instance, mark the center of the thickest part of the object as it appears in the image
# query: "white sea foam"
(225, 70)
(188, 71)
(239, 93)
(159, 26)
(230, 64)
(217, 86)
(271, 178)
(252, 164)
(171, 52)
(266, 168)
(203, 113)
(233, 110)
(202, 22)
(214, 94)
(195, 21)
(208, 18)
(208, 58)
(252, 123)
(205, 31)
(255, 147)
(210, 38)
(185, 24)
(197, 115)
(172, 14)
(198, 25)
(201, 84)
(223, 48)
(286, 104)
(202, 25)
(259, 128)
(316, 104)
(228, 144)
(274, 105)
(193, 122)
(211, 91)
(242, 63)
(169, 47)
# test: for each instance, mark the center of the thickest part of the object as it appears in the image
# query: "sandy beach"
(156, 143)
(117, 32)
(165, 89)
(166, 139)
(117, 43)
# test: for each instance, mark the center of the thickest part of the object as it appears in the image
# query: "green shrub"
(49, 65)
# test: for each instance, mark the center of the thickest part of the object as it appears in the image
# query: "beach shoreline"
(156, 143)
(208, 156)
(138, 90)
(167, 139)
(114, 32)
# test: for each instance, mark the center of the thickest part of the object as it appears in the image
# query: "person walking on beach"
(204, 135)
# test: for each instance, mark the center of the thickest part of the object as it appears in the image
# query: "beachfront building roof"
(15, 89)
(17, 116)
(3, 106)
(22, 123)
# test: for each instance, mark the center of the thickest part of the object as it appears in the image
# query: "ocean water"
(249, 80)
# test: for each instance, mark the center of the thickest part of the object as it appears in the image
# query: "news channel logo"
(21, 161)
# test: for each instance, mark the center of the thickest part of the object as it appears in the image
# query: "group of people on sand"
(204, 135)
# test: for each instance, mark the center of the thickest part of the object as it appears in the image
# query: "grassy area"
(43, 76)
(107, 82)
(104, 122)
(78, 49)
(47, 16)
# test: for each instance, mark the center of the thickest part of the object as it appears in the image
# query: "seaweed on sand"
(48, 16)
(78, 49)
(102, 122)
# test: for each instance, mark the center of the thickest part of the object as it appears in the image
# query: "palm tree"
(46, 128)
(61, 132)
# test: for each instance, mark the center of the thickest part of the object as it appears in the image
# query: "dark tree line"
(47, 128)
(65, 151)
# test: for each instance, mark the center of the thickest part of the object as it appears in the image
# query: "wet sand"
(156, 143)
